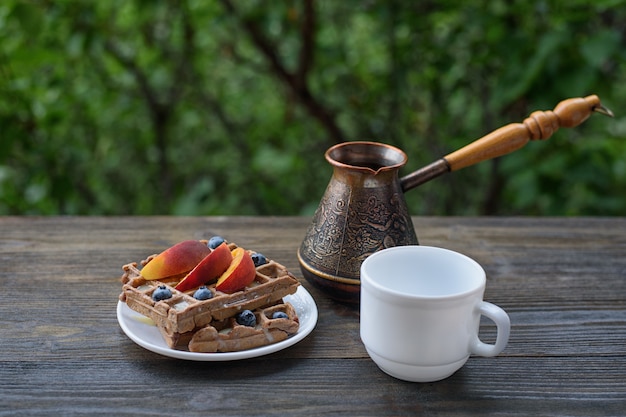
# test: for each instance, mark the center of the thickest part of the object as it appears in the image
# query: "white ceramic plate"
(141, 331)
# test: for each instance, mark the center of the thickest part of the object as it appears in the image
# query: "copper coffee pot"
(363, 209)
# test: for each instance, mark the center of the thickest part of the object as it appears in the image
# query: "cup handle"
(503, 324)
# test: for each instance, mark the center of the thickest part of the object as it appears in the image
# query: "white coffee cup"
(420, 312)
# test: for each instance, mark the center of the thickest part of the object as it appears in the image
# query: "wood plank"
(304, 387)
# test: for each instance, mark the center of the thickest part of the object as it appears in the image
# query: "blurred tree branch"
(295, 81)
(160, 112)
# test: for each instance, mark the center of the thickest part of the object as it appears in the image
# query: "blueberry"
(246, 318)
(280, 315)
(215, 241)
(259, 259)
(161, 293)
(203, 293)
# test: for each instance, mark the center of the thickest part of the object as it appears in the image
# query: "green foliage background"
(226, 107)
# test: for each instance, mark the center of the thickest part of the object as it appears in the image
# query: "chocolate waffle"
(182, 313)
(229, 336)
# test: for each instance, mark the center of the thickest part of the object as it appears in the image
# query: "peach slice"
(208, 270)
(239, 274)
(178, 259)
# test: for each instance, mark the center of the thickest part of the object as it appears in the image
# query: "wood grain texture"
(562, 281)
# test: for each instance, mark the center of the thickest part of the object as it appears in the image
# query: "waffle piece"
(182, 313)
(229, 336)
(181, 340)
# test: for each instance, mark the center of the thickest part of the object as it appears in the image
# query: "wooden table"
(562, 281)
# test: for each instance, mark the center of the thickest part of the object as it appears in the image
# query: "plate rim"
(310, 316)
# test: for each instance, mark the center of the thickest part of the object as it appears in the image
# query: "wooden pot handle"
(509, 138)
(539, 125)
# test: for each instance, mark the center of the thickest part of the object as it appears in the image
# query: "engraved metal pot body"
(362, 211)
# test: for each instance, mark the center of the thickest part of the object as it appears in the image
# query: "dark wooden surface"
(562, 281)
